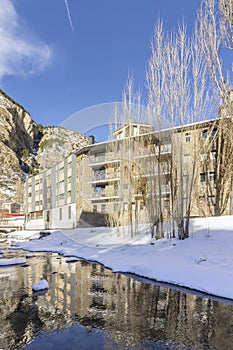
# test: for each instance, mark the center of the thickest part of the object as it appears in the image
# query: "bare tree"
(216, 33)
(226, 18)
(127, 151)
(216, 29)
(155, 82)
(179, 90)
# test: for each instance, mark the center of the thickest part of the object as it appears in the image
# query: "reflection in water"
(117, 312)
(23, 316)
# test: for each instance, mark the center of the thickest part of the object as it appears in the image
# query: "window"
(202, 177)
(49, 180)
(141, 205)
(103, 208)
(202, 200)
(60, 214)
(211, 200)
(61, 186)
(214, 132)
(61, 171)
(187, 158)
(187, 138)
(115, 206)
(95, 208)
(166, 203)
(203, 157)
(69, 212)
(125, 206)
(204, 134)
(212, 176)
(213, 154)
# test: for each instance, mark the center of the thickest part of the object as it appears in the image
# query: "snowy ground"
(203, 262)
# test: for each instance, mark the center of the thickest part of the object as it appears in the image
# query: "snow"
(11, 262)
(41, 285)
(23, 235)
(203, 262)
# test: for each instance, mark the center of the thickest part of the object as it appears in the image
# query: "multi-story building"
(50, 196)
(137, 177)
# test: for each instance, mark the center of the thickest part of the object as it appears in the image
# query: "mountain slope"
(27, 147)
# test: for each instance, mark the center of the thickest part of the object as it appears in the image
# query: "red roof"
(12, 214)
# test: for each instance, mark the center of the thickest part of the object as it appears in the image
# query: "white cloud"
(18, 54)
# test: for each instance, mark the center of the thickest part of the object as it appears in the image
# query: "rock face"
(18, 137)
(26, 147)
(56, 144)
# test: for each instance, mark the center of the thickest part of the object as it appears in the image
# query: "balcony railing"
(98, 159)
(98, 177)
(104, 194)
(165, 188)
(106, 158)
(163, 149)
(104, 176)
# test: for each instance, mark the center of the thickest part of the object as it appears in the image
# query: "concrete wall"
(35, 224)
(59, 217)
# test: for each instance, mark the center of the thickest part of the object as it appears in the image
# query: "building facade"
(139, 177)
(50, 197)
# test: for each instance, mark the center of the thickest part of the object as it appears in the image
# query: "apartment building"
(139, 175)
(50, 197)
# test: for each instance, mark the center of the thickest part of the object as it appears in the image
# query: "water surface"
(89, 307)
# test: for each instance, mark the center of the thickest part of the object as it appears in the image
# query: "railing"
(165, 188)
(98, 177)
(106, 158)
(98, 159)
(104, 176)
(104, 194)
(163, 149)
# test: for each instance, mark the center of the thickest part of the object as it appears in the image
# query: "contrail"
(69, 16)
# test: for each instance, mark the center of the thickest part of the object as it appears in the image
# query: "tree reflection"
(25, 320)
(132, 313)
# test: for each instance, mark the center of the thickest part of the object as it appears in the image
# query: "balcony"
(165, 189)
(103, 194)
(104, 177)
(163, 149)
(103, 159)
(97, 159)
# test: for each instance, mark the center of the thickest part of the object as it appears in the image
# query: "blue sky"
(57, 60)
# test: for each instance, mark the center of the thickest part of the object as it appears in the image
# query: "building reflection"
(131, 312)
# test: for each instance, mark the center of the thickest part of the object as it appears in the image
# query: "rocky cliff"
(26, 147)
(56, 144)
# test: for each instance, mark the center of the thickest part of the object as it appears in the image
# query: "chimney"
(91, 140)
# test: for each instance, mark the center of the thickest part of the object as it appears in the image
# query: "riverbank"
(202, 262)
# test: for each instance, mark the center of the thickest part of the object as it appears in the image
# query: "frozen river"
(89, 307)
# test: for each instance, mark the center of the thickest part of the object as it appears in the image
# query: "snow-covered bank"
(203, 262)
